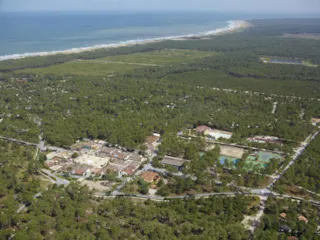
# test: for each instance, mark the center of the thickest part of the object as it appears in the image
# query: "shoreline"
(233, 26)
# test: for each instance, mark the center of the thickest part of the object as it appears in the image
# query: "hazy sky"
(270, 6)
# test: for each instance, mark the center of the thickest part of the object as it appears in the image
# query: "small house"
(302, 218)
(150, 177)
(283, 215)
(216, 134)
(174, 162)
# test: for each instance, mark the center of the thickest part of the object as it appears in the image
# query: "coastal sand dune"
(235, 25)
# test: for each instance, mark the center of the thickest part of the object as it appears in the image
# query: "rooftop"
(76, 169)
(131, 168)
(107, 150)
(302, 218)
(96, 162)
(152, 139)
(202, 128)
(283, 215)
(150, 176)
(217, 131)
(114, 168)
(315, 120)
(136, 157)
(173, 161)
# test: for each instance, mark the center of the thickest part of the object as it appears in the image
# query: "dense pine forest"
(225, 85)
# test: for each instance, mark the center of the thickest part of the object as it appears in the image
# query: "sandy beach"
(234, 26)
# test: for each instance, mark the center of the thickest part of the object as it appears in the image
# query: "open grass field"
(85, 68)
(161, 57)
(119, 64)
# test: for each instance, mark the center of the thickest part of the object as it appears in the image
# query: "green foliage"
(73, 213)
(304, 172)
(138, 100)
(271, 221)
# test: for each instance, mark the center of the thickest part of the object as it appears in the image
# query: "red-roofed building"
(98, 171)
(283, 215)
(150, 177)
(131, 168)
(152, 140)
(292, 238)
(302, 218)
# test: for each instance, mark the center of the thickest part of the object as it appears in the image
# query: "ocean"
(24, 34)
(32, 33)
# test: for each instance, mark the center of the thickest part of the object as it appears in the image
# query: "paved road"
(254, 192)
(296, 155)
(40, 145)
(19, 141)
(58, 180)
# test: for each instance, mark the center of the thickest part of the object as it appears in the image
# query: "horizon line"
(156, 10)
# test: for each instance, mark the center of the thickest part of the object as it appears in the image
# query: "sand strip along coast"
(234, 26)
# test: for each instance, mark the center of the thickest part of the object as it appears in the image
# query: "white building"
(216, 134)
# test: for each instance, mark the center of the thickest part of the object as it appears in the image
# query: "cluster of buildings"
(213, 133)
(94, 158)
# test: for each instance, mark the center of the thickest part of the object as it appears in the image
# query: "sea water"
(23, 33)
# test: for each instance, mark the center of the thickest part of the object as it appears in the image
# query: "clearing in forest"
(120, 63)
(160, 57)
(85, 68)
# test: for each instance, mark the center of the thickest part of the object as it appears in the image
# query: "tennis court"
(267, 156)
(259, 160)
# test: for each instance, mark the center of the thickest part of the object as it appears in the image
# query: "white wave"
(232, 26)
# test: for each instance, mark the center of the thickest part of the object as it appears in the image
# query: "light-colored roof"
(131, 168)
(217, 131)
(94, 161)
(135, 157)
(178, 162)
(56, 167)
(57, 159)
(315, 120)
(115, 168)
(80, 169)
(98, 171)
(107, 150)
(51, 155)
